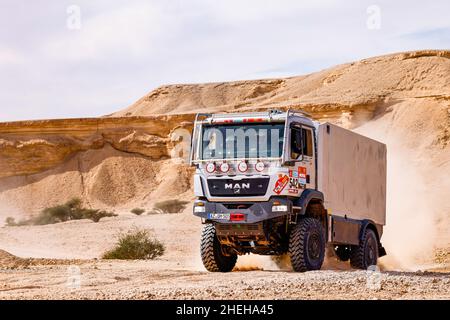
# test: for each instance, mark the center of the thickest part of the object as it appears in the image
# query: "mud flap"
(381, 250)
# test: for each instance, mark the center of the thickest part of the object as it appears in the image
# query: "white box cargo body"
(352, 174)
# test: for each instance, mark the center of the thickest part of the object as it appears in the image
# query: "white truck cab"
(278, 182)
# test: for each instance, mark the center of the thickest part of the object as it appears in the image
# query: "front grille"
(224, 227)
(231, 229)
(243, 187)
(237, 206)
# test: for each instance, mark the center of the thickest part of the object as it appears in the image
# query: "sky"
(83, 58)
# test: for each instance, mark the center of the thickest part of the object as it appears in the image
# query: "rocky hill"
(359, 88)
(123, 160)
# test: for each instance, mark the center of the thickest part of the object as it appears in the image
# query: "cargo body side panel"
(352, 174)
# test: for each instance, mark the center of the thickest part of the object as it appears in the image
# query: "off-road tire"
(366, 253)
(307, 245)
(211, 251)
(342, 252)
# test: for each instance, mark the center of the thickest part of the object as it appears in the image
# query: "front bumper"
(253, 211)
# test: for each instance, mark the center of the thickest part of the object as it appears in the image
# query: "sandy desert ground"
(122, 161)
(178, 274)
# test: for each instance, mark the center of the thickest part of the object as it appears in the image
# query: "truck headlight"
(199, 207)
(280, 208)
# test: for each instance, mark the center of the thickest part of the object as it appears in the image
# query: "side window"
(307, 142)
(301, 142)
(296, 143)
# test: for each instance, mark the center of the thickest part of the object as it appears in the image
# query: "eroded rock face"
(124, 159)
(348, 94)
(30, 147)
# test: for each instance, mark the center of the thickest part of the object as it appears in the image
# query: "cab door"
(301, 156)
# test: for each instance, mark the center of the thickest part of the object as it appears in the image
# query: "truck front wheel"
(213, 257)
(307, 245)
(366, 253)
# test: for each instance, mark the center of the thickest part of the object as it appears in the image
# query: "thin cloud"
(126, 48)
(11, 57)
(126, 31)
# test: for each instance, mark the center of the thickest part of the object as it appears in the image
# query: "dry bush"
(138, 211)
(10, 222)
(169, 206)
(71, 210)
(136, 244)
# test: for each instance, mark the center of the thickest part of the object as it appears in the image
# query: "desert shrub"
(71, 210)
(135, 244)
(96, 214)
(169, 206)
(10, 222)
(138, 211)
(52, 215)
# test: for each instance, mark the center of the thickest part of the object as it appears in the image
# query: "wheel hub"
(314, 246)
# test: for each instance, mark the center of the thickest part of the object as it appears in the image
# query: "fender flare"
(306, 196)
(364, 225)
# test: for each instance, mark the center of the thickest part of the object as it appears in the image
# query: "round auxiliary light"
(259, 166)
(210, 167)
(224, 167)
(242, 166)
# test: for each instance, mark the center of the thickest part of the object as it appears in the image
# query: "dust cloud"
(412, 211)
(252, 262)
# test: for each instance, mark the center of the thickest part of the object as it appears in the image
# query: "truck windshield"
(247, 141)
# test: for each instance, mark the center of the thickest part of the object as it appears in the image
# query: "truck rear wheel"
(213, 257)
(366, 253)
(307, 245)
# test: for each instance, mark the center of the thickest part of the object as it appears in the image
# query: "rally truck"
(274, 183)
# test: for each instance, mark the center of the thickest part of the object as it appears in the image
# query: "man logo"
(237, 187)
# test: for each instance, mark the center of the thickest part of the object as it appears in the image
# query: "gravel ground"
(151, 280)
(59, 262)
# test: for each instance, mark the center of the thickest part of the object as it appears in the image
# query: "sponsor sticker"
(293, 174)
(302, 175)
(297, 178)
(281, 184)
(293, 191)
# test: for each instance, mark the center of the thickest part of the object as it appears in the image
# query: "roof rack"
(240, 114)
(298, 112)
(270, 113)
